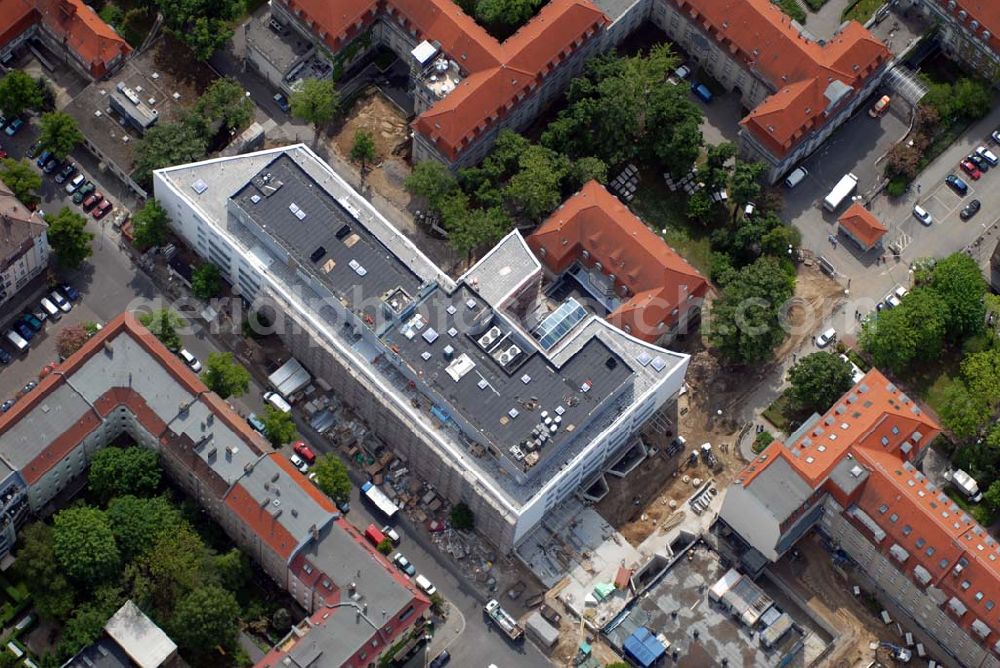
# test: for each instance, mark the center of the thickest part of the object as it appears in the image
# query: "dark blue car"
(24, 331)
(43, 158)
(71, 293)
(957, 184)
(701, 92)
(5, 357)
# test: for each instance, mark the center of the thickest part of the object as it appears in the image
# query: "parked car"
(256, 423)
(702, 92)
(957, 184)
(43, 158)
(26, 332)
(298, 463)
(441, 659)
(102, 209)
(71, 293)
(14, 127)
(5, 357)
(60, 301)
(391, 534)
(826, 337)
(51, 166)
(425, 585)
(28, 387)
(31, 321)
(305, 452)
(282, 102)
(50, 308)
(189, 359)
(32, 150)
(403, 564)
(16, 340)
(84, 192)
(880, 107)
(68, 170)
(796, 177)
(922, 214)
(988, 155)
(682, 72)
(996, 136)
(971, 169)
(979, 161)
(970, 209)
(7, 405)
(92, 201)
(75, 183)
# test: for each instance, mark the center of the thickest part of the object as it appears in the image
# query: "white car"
(682, 72)
(856, 373)
(826, 337)
(988, 155)
(75, 184)
(900, 292)
(60, 301)
(190, 360)
(922, 214)
(391, 534)
(298, 463)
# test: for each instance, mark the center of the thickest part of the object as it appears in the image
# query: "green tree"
(587, 169)
(204, 25)
(168, 144)
(137, 523)
(233, 569)
(278, 426)
(745, 323)
(992, 496)
(959, 282)
(85, 545)
(225, 105)
(224, 376)
(534, 189)
(961, 411)
(317, 102)
(431, 181)
(462, 517)
(941, 98)
(281, 620)
(700, 207)
(81, 630)
(972, 97)
(385, 546)
(981, 372)
(119, 471)
(477, 228)
(331, 477)
(53, 595)
(204, 618)
(150, 225)
(913, 330)
(744, 182)
(22, 180)
(981, 458)
(70, 339)
(58, 133)
(163, 324)
(178, 562)
(69, 238)
(18, 93)
(206, 281)
(818, 380)
(363, 149)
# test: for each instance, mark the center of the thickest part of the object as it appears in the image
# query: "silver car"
(922, 214)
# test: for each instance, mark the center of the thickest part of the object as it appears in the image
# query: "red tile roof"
(16, 16)
(985, 13)
(658, 280)
(862, 224)
(497, 75)
(262, 521)
(759, 34)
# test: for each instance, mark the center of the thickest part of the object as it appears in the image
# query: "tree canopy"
(363, 149)
(37, 565)
(168, 144)
(203, 25)
(22, 180)
(431, 181)
(819, 379)
(961, 411)
(960, 284)
(18, 93)
(317, 102)
(331, 477)
(137, 523)
(150, 225)
(206, 281)
(278, 426)
(119, 471)
(913, 330)
(69, 238)
(70, 339)
(58, 132)
(225, 106)
(85, 545)
(745, 322)
(206, 617)
(224, 376)
(163, 323)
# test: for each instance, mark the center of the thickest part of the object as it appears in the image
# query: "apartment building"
(495, 394)
(72, 27)
(618, 264)
(24, 245)
(124, 381)
(969, 31)
(852, 475)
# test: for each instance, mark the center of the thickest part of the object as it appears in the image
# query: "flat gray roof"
(780, 488)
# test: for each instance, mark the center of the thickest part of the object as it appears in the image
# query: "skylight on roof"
(199, 186)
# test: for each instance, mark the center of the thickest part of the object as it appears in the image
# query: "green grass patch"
(978, 511)
(793, 9)
(862, 10)
(764, 439)
(930, 379)
(780, 413)
(662, 210)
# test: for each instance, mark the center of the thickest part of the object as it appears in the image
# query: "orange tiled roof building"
(969, 30)
(862, 226)
(651, 287)
(94, 47)
(798, 88)
(852, 475)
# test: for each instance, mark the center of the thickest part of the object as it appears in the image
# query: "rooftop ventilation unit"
(487, 340)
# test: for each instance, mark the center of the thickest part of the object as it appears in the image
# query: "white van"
(277, 401)
(425, 585)
(17, 340)
(50, 308)
(796, 177)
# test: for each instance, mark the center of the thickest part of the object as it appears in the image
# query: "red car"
(92, 200)
(305, 452)
(970, 168)
(3, 154)
(102, 209)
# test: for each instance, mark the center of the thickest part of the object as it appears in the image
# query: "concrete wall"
(748, 517)
(957, 41)
(30, 263)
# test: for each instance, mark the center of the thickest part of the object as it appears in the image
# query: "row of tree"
(132, 544)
